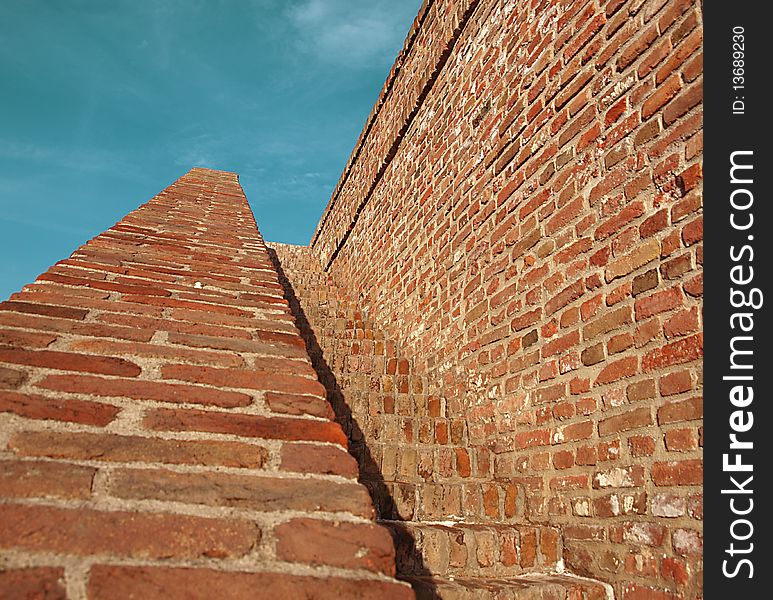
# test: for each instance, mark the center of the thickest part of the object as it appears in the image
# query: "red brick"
(104, 285)
(576, 431)
(66, 361)
(529, 439)
(633, 419)
(90, 329)
(658, 302)
(634, 591)
(683, 51)
(555, 213)
(687, 472)
(136, 535)
(11, 378)
(237, 345)
(314, 458)
(36, 478)
(636, 46)
(127, 583)
(291, 404)
(273, 428)
(681, 440)
(84, 304)
(662, 95)
(33, 406)
(681, 410)
(675, 383)
(269, 380)
(44, 583)
(674, 570)
(675, 353)
(243, 491)
(25, 339)
(641, 255)
(36, 308)
(153, 324)
(619, 369)
(337, 544)
(213, 308)
(617, 222)
(686, 100)
(608, 321)
(145, 390)
(583, 532)
(676, 267)
(564, 297)
(110, 348)
(121, 448)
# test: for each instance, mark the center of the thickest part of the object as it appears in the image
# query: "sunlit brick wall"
(523, 213)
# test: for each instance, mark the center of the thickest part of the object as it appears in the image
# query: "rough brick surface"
(159, 405)
(499, 315)
(520, 223)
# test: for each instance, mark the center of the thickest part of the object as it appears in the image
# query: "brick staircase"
(162, 431)
(459, 534)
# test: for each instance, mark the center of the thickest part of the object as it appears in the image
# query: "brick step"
(526, 587)
(489, 550)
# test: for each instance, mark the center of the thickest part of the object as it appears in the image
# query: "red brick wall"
(162, 431)
(523, 213)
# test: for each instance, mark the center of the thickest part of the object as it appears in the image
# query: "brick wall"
(522, 215)
(162, 431)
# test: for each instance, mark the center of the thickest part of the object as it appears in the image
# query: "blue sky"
(105, 103)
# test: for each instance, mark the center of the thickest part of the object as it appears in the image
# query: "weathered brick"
(608, 321)
(253, 426)
(46, 583)
(681, 410)
(675, 353)
(124, 583)
(136, 535)
(523, 234)
(33, 406)
(633, 419)
(619, 369)
(36, 478)
(662, 95)
(687, 472)
(273, 380)
(648, 534)
(66, 361)
(121, 448)
(313, 458)
(291, 404)
(236, 344)
(110, 348)
(11, 378)
(642, 254)
(36, 308)
(658, 302)
(25, 339)
(337, 544)
(242, 491)
(145, 390)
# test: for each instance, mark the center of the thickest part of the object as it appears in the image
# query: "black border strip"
(729, 130)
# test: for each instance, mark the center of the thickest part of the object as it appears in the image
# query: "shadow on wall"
(409, 557)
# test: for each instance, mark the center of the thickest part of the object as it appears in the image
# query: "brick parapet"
(163, 431)
(526, 224)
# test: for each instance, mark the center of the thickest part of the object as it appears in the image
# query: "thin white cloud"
(348, 34)
(69, 157)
